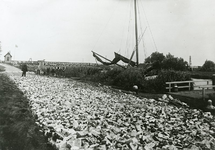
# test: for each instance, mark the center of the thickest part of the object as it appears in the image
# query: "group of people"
(51, 70)
(46, 70)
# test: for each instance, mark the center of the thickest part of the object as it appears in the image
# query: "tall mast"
(136, 31)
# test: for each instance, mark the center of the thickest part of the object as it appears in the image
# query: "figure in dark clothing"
(24, 70)
(63, 71)
(60, 70)
(48, 71)
(53, 71)
(57, 71)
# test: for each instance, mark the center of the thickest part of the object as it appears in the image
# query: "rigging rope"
(149, 28)
(140, 23)
(124, 28)
(139, 39)
(144, 47)
(141, 29)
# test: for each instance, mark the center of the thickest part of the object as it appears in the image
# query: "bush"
(202, 74)
(158, 84)
(174, 63)
(208, 66)
(107, 75)
(159, 61)
(80, 71)
(128, 78)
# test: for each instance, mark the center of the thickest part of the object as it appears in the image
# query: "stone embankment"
(76, 115)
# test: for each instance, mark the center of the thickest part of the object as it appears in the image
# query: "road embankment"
(18, 130)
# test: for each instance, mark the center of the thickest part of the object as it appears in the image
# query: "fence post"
(213, 80)
(203, 94)
(169, 87)
(175, 88)
(207, 83)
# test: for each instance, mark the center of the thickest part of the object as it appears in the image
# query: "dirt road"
(9, 68)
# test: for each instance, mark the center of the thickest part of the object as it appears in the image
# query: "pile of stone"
(75, 115)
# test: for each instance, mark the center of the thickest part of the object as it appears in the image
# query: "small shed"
(8, 57)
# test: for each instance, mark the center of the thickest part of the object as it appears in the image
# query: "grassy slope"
(18, 130)
(2, 68)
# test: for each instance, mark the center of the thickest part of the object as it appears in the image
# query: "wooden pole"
(136, 31)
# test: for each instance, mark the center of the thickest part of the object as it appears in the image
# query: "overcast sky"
(68, 30)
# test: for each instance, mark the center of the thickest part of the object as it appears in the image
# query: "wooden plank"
(202, 80)
(183, 86)
(206, 86)
(201, 85)
(179, 82)
(178, 87)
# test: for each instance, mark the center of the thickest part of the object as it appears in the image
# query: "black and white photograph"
(107, 75)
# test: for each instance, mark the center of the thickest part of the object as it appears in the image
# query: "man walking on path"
(24, 70)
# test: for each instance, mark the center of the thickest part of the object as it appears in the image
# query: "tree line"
(170, 62)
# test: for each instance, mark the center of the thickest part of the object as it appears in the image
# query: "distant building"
(195, 68)
(8, 57)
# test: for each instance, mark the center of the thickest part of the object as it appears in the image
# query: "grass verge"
(18, 130)
(2, 68)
